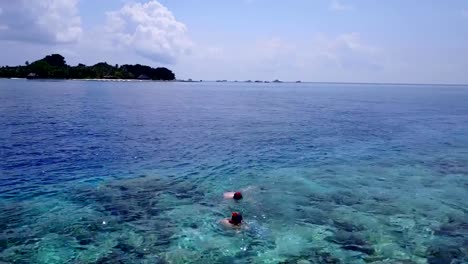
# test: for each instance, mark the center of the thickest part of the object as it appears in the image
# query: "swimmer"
(239, 194)
(233, 195)
(234, 222)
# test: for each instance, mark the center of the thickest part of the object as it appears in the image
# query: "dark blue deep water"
(134, 172)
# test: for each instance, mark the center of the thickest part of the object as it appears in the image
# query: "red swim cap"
(237, 196)
(236, 218)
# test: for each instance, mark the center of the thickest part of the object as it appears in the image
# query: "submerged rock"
(138, 198)
(345, 198)
(313, 216)
(444, 254)
(387, 261)
(454, 227)
(351, 241)
(363, 249)
(347, 238)
(450, 166)
(347, 226)
(315, 256)
(328, 258)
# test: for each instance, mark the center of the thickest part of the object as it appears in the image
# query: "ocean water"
(134, 172)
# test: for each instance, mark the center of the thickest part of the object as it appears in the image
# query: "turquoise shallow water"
(104, 172)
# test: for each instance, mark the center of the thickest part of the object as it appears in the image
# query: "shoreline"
(88, 80)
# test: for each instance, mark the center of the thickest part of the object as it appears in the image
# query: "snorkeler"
(233, 195)
(249, 191)
(234, 222)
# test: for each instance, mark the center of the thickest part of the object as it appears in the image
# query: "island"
(55, 67)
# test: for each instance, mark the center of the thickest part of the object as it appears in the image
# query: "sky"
(396, 41)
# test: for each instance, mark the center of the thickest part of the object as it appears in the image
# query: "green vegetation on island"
(55, 67)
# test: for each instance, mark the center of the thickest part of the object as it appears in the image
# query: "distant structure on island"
(189, 80)
(143, 77)
(55, 67)
(32, 76)
(298, 81)
(277, 81)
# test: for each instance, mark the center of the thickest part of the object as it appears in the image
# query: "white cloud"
(347, 51)
(345, 42)
(464, 12)
(343, 57)
(344, 51)
(150, 29)
(45, 21)
(337, 6)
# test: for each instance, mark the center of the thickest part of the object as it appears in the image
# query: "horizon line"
(331, 82)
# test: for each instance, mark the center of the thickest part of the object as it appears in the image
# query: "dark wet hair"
(236, 218)
(237, 196)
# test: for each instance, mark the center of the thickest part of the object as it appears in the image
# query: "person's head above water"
(236, 219)
(237, 196)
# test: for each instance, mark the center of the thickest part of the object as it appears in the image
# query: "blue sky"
(311, 40)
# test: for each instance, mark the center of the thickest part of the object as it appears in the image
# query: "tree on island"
(55, 67)
(55, 60)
